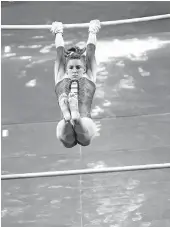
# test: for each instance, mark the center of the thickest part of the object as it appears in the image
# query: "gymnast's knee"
(68, 144)
(84, 143)
(68, 140)
(65, 134)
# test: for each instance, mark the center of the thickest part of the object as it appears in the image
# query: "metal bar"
(84, 25)
(85, 171)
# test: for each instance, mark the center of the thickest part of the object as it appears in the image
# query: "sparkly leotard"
(85, 93)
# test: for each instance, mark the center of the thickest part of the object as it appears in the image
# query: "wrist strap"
(58, 33)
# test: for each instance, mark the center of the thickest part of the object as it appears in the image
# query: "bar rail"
(85, 171)
(84, 25)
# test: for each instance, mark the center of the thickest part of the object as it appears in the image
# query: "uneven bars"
(85, 171)
(83, 25)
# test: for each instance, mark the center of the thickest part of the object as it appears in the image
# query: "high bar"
(84, 25)
(85, 171)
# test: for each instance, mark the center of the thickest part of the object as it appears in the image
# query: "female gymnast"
(75, 85)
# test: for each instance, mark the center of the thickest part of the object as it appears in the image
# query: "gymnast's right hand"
(94, 26)
(56, 27)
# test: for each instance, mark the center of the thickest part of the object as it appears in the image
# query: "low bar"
(84, 25)
(85, 171)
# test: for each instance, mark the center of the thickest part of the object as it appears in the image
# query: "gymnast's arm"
(59, 66)
(94, 27)
(90, 57)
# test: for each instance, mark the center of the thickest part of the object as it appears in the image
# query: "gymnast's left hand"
(57, 27)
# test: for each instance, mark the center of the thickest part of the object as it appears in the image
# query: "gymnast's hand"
(56, 27)
(94, 26)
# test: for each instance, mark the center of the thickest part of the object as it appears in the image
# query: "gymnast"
(75, 85)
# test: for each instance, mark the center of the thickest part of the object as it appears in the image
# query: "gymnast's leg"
(65, 133)
(85, 130)
(84, 127)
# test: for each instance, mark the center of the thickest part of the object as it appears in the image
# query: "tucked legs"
(65, 133)
(85, 130)
(73, 128)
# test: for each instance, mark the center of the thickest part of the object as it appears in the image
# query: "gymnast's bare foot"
(74, 109)
(64, 105)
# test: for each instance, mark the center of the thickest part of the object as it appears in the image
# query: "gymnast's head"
(75, 62)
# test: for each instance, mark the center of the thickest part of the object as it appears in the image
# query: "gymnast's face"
(75, 68)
